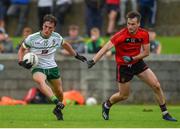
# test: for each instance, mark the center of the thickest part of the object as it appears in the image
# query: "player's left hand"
(127, 59)
(81, 58)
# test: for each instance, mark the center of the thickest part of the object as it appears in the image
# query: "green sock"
(54, 99)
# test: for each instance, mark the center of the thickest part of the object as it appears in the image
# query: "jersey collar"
(133, 34)
(44, 37)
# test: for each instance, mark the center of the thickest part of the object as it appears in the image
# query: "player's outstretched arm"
(72, 52)
(100, 54)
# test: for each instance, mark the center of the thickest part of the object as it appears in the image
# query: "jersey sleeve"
(146, 38)
(117, 38)
(27, 42)
(59, 40)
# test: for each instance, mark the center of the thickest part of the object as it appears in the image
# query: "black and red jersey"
(127, 44)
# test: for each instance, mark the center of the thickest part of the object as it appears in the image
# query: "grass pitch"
(121, 116)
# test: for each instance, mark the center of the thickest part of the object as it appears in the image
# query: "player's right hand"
(90, 63)
(25, 64)
(127, 59)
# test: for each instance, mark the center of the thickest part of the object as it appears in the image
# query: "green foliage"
(170, 45)
(16, 41)
(40, 116)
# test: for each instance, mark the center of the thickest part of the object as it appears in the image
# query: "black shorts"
(110, 7)
(125, 73)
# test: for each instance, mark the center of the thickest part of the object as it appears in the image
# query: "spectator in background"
(26, 32)
(155, 45)
(112, 7)
(62, 7)
(94, 16)
(1, 48)
(122, 5)
(3, 10)
(76, 41)
(96, 42)
(147, 9)
(44, 7)
(6, 45)
(19, 8)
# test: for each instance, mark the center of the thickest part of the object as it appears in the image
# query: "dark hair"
(50, 18)
(134, 14)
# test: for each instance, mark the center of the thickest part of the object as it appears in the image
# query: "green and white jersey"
(44, 48)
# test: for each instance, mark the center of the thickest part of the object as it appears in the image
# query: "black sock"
(163, 109)
(109, 104)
